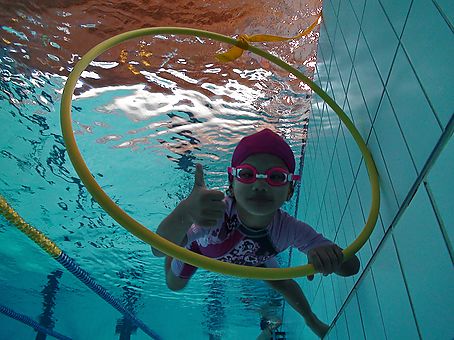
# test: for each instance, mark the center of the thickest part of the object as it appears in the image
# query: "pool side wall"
(388, 64)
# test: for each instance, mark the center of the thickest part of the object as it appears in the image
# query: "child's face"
(259, 198)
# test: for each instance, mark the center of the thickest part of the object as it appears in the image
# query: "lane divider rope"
(32, 323)
(70, 264)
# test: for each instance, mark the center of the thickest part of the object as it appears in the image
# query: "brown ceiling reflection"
(51, 36)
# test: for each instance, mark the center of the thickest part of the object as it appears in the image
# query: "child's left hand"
(325, 259)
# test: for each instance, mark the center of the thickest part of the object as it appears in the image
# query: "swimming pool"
(144, 114)
(141, 131)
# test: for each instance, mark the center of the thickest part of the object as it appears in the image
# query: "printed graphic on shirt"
(230, 241)
(235, 243)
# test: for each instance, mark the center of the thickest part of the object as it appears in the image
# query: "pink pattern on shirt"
(231, 241)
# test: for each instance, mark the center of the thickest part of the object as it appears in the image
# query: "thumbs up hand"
(204, 206)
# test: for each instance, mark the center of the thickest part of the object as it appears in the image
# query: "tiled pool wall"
(388, 64)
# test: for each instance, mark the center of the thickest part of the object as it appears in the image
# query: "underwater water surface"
(143, 114)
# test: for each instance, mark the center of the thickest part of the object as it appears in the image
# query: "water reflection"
(144, 113)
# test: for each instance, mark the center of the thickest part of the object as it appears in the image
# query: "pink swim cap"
(265, 141)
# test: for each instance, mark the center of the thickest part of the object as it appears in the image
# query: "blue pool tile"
(358, 8)
(315, 78)
(330, 199)
(447, 8)
(364, 188)
(390, 285)
(336, 85)
(317, 187)
(329, 298)
(365, 194)
(368, 77)
(335, 5)
(331, 94)
(418, 123)
(346, 284)
(418, 237)
(431, 51)
(324, 55)
(332, 334)
(331, 69)
(331, 124)
(311, 217)
(302, 204)
(340, 294)
(329, 22)
(358, 108)
(344, 159)
(359, 216)
(320, 223)
(348, 27)
(322, 63)
(314, 127)
(397, 12)
(339, 182)
(341, 327)
(348, 237)
(380, 37)
(388, 200)
(370, 311)
(317, 74)
(333, 196)
(319, 304)
(395, 153)
(335, 122)
(322, 152)
(317, 101)
(353, 315)
(354, 153)
(314, 130)
(314, 119)
(442, 189)
(330, 227)
(341, 60)
(306, 178)
(307, 148)
(307, 187)
(356, 211)
(347, 226)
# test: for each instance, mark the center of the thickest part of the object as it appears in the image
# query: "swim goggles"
(275, 177)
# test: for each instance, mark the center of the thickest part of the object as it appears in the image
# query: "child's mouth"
(260, 199)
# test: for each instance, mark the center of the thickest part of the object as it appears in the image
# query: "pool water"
(143, 114)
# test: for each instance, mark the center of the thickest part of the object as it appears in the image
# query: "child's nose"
(260, 184)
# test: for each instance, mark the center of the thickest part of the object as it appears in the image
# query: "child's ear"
(229, 191)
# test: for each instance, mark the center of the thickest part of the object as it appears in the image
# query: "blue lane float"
(83, 276)
(32, 323)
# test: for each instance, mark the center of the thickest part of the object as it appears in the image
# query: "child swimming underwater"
(247, 226)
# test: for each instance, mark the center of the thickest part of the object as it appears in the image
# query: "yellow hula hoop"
(157, 241)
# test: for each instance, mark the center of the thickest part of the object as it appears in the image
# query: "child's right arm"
(203, 207)
(174, 227)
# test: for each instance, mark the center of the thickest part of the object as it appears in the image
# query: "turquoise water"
(141, 136)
